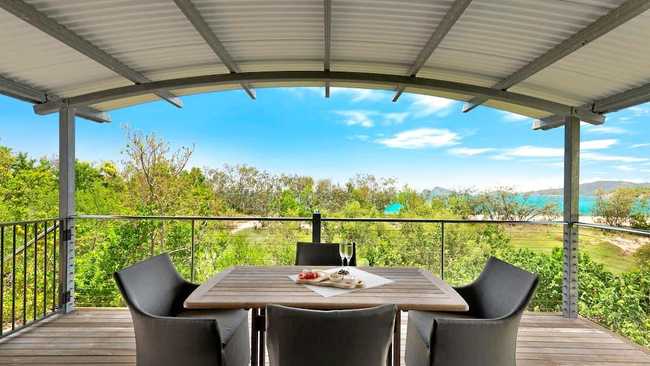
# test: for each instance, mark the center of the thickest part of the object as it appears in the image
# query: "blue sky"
(422, 141)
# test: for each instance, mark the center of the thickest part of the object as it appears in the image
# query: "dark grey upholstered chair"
(167, 334)
(321, 254)
(487, 334)
(298, 337)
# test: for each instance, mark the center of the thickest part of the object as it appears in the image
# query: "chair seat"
(229, 320)
(423, 322)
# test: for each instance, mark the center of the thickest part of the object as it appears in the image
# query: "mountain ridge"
(590, 189)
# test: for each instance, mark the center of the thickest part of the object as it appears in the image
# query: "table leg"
(262, 337)
(254, 338)
(397, 334)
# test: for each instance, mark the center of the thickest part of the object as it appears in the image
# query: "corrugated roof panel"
(496, 38)
(145, 35)
(491, 40)
(255, 31)
(611, 64)
(385, 32)
(34, 58)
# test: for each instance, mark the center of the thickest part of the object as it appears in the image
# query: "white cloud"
(597, 144)
(365, 118)
(395, 117)
(357, 117)
(603, 157)
(514, 117)
(625, 168)
(601, 129)
(354, 94)
(640, 110)
(359, 95)
(421, 138)
(636, 146)
(528, 151)
(469, 151)
(426, 105)
(554, 164)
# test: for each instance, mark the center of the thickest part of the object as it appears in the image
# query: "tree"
(505, 204)
(623, 206)
(154, 172)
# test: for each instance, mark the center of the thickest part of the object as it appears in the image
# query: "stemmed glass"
(345, 250)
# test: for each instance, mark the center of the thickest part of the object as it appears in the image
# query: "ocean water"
(585, 203)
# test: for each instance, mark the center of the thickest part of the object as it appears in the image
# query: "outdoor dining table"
(255, 287)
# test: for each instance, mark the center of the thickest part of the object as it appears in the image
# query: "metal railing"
(28, 272)
(316, 220)
(30, 253)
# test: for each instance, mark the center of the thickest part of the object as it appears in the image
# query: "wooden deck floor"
(105, 337)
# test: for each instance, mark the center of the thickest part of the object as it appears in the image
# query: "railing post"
(571, 216)
(66, 207)
(192, 255)
(442, 250)
(315, 227)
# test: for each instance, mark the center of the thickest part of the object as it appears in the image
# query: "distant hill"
(590, 189)
(436, 191)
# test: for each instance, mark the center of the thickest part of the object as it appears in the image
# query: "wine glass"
(345, 250)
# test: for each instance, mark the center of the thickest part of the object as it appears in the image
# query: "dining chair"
(298, 337)
(168, 335)
(487, 334)
(321, 254)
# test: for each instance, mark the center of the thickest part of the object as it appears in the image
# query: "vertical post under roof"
(571, 216)
(66, 206)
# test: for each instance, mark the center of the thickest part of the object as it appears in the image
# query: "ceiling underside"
(488, 42)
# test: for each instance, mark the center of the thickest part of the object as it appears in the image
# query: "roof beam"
(93, 114)
(202, 27)
(380, 80)
(600, 27)
(609, 104)
(622, 100)
(28, 94)
(451, 17)
(21, 91)
(327, 40)
(557, 121)
(30, 15)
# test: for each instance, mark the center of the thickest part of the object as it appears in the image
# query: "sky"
(422, 141)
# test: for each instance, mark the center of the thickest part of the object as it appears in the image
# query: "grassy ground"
(596, 243)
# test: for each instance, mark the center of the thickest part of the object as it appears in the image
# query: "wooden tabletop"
(244, 287)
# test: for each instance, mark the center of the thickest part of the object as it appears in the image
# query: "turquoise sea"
(586, 203)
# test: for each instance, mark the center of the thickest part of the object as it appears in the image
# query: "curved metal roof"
(537, 58)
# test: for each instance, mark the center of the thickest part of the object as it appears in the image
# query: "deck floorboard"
(105, 337)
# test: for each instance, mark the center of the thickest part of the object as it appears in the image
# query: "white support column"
(571, 216)
(66, 206)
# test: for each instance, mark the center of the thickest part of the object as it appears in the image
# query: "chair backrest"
(321, 254)
(298, 337)
(151, 286)
(501, 290)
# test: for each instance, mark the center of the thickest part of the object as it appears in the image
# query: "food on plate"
(308, 275)
(343, 272)
(334, 279)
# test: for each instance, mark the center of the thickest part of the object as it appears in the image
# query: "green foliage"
(624, 206)
(153, 180)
